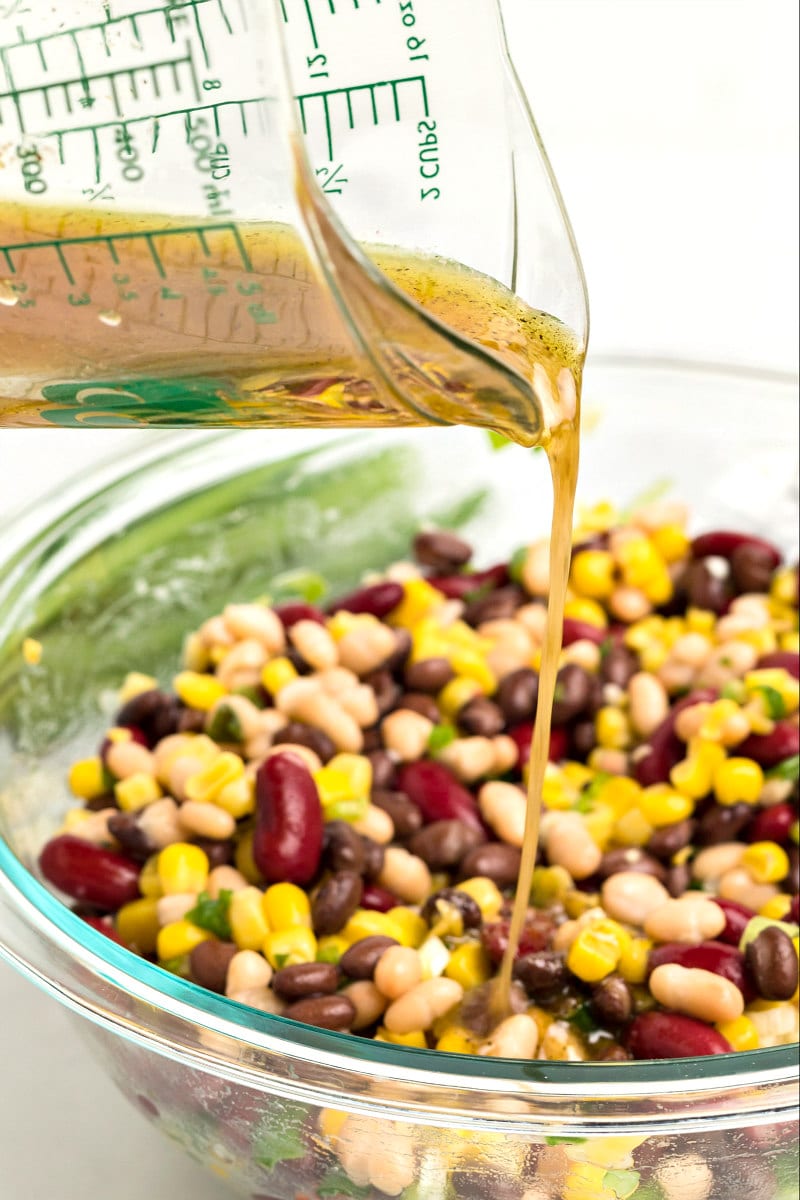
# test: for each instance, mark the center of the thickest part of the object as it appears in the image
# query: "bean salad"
(321, 817)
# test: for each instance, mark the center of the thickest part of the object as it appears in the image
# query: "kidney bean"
(429, 675)
(438, 794)
(467, 908)
(125, 827)
(343, 848)
(718, 957)
(573, 690)
(619, 665)
(769, 749)
(772, 824)
(360, 961)
(325, 1012)
(374, 855)
(630, 859)
(722, 543)
(305, 979)
(443, 844)
(377, 899)
(517, 695)
(293, 612)
(666, 750)
(208, 963)
(104, 926)
(377, 600)
(705, 588)
(456, 587)
(386, 689)
(582, 631)
(287, 838)
(536, 933)
(89, 873)
(722, 823)
(782, 660)
(493, 860)
(752, 567)
(406, 817)
(772, 962)
(671, 1035)
(441, 550)
(522, 735)
(481, 718)
(499, 605)
(669, 839)
(612, 1001)
(419, 702)
(542, 973)
(335, 902)
(737, 917)
(298, 734)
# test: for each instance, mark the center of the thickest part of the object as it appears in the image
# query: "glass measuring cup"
(224, 211)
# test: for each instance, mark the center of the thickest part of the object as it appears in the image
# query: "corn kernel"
(639, 560)
(741, 1033)
(346, 779)
(331, 948)
(331, 1121)
(777, 909)
(486, 895)
(32, 651)
(662, 805)
(600, 823)
(456, 694)
(585, 1181)
(179, 938)
(207, 783)
(787, 687)
(86, 778)
(198, 691)
(738, 780)
(244, 861)
(74, 818)
(182, 868)
(248, 924)
(457, 1041)
(471, 664)
(612, 728)
(784, 586)
(287, 947)
(790, 642)
(694, 776)
(671, 542)
(633, 828)
(620, 793)
(596, 518)
(577, 774)
(237, 797)
(413, 928)
(415, 1041)
(595, 953)
(137, 924)
(137, 791)
(134, 684)
(419, 599)
(592, 573)
(699, 620)
(766, 862)
(582, 608)
(634, 959)
(653, 656)
(149, 881)
(364, 923)
(277, 674)
(469, 965)
(718, 718)
(286, 906)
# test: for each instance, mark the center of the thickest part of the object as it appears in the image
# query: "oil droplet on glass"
(8, 295)
(110, 317)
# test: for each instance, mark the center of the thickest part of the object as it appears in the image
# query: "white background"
(672, 127)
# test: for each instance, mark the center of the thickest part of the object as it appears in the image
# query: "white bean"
(649, 702)
(406, 734)
(367, 646)
(175, 907)
(241, 666)
(206, 820)
(503, 807)
(424, 1004)
(687, 1177)
(469, 758)
(370, 1003)
(690, 919)
(398, 970)
(737, 885)
(570, 845)
(405, 875)
(225, 879)
(127, 758)
(360, 703)
(713, 862)
(257, 622)
(304, 700)
(247, 969)
(313, 642)
(160, 824)
(696, 992)
(631, 896)
(516, 1037)
(375, 824)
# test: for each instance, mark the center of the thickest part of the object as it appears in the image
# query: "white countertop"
(672, 127)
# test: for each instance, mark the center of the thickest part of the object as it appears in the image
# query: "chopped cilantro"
(565, 1141)
(622, 1183)
(586, 801)
(441, 736)
(225, 725)
(340, 1187)
(773, 701)
(789, 769)
(516, 564)
(582, 1019)
(212, 914)
(280, 1138)
(177, 966)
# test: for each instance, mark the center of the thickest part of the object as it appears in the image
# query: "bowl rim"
(253, 1030)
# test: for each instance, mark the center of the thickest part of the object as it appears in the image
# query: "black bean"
(218, 853)
(305, 979)
(386, 689)
(98, 803)
(614, 1053)
(343, 848)
(436, 908)
(517, 695)
(480, 717)
(125, 827)
(612, 1001)
(618, 665)
(383, 768)
(630, 859)
(791, 883)
(583, 738)
(478, 1008)
(373, 740)
(418, 702)
(335, 902)
(429, 675)
(443, 844)
(498, 605)
(326, 1012)
(374, 855)
(482, 1185)
(442, 550)
(208, 963)
(721, 823)
(406, 817)
(596, 699)
(541, 973)
(494, 860)
(669, 839)
(573, 692)
(190, 720)
(752, 567)
(402, 648)
(772, 962)
(360, 961)
(707, 587)
(298, 734)
(148, 711)
(678, 879)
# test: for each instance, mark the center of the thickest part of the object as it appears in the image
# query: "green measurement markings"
(59, 246)
(373, 90)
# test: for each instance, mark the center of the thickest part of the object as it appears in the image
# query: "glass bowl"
(124, 562)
